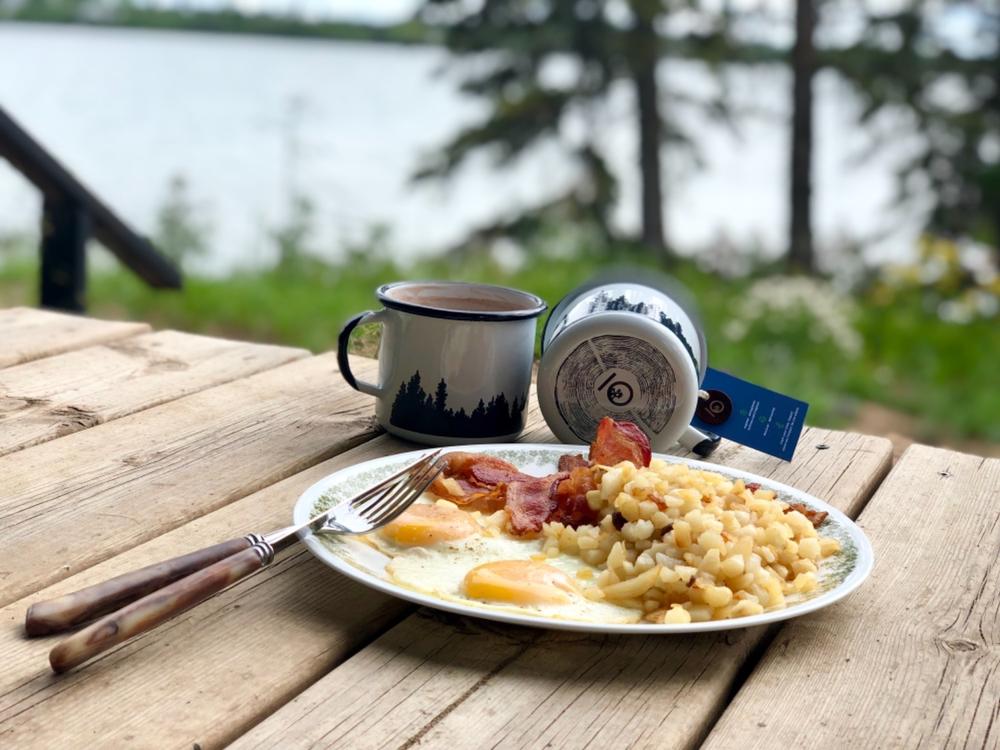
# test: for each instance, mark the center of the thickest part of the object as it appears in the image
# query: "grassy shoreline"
(225, 22)
(407, 33)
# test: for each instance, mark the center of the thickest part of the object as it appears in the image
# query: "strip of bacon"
(477, 481)
(471, 497)
(479, 468)
(816, 517)
(530, 502)
(570, 462)
(572, 507)
(620, 441)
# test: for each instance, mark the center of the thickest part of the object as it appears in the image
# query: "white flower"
(951, 311)
(734, 330)
(777, 298)
(985, 303)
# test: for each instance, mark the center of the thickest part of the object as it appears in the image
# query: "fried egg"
(441, 550)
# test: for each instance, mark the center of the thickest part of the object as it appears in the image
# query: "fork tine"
(366, 502)
(391, 498)
(406, 500)
(385, 484)
(376, 498)
(404, 494)
(367, 498)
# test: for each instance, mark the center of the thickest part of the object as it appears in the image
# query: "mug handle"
(342, 343)
(701, 443)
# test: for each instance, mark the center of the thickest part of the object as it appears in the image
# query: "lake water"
(249, 120)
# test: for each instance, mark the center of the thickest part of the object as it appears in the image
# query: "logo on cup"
(715, 409)
(617, 389)
(620, 393)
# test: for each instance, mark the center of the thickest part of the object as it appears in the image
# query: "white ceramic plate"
(839, 574)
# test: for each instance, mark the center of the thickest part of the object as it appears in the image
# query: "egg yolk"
(519, 582)
(429, 524)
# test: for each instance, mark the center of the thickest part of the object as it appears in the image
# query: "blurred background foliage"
(904, 347)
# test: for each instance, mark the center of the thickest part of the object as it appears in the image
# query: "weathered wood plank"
(70, 503)
(215, 671)
(439, 681)
(219, 665)
(913, 659)
(27, 334)
(58, 395)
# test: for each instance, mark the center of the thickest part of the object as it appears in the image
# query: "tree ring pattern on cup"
(621, 376)
(616, 298)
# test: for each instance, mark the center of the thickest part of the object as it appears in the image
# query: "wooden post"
(65, 229)
(71, 215)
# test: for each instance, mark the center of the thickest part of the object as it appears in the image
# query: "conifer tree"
(949, 83)
(509, 49)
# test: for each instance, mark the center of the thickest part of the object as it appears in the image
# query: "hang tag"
(750, 415)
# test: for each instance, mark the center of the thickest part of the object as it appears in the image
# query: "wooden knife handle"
(68, 611)
(161, 605)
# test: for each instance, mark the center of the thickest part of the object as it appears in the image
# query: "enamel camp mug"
(454, 360)
(626, 345)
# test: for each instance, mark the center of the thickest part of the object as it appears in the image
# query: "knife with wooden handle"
(157, 607)
(68, 611)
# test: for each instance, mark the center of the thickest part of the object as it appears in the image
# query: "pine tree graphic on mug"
(605, 301)
(415, 409)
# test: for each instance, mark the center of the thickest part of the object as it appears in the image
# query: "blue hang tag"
(750, 415)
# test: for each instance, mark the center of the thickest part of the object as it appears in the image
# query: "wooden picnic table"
(120, 447)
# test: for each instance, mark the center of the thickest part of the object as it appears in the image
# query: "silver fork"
(360, 514)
